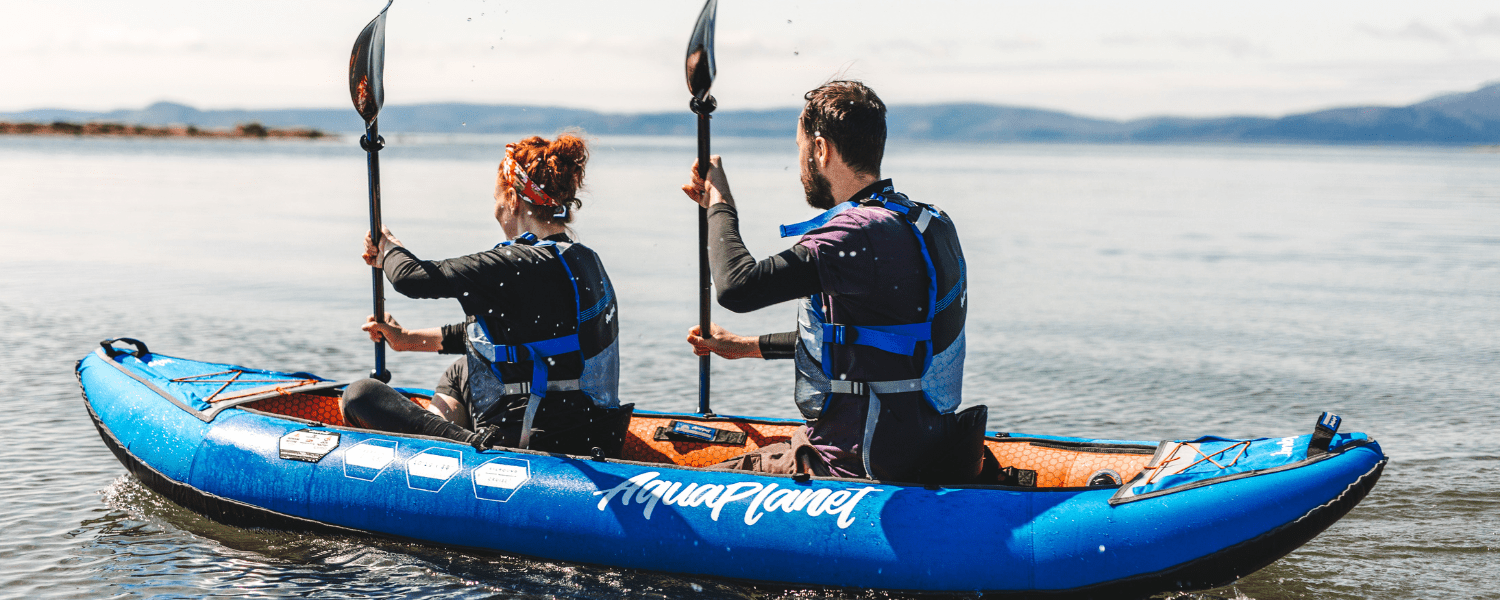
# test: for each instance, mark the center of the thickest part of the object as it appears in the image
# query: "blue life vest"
(940, 338)
(601, 371)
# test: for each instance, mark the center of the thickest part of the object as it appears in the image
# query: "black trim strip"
(1005, 438)
(1117, 500)
(1096, 448)
(133, 375)
(215, 409)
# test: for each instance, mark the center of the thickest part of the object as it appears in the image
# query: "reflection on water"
(1119, 291)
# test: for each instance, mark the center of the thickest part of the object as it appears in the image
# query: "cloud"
(1488, 26)
(1237, 47)
(1416, 31)
(1010, 44)
(112, 40)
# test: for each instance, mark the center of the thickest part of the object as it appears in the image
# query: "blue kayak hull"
(235, 466)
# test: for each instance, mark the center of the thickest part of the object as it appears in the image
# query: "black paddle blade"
(367, 68)
(700, 52)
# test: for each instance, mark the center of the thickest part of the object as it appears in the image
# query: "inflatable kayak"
(1079, 517)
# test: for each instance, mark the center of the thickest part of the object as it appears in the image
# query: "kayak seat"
(962, 458)
(1064, 464)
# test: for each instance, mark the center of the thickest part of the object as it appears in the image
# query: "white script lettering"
(645, 489)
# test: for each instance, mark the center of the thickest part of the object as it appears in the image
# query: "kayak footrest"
(680, 431)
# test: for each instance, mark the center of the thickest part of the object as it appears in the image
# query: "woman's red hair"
(556, 165)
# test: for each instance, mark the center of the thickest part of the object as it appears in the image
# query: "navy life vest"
(939, 340)
(594, 341)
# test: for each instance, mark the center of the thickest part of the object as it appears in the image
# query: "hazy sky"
(1102, 58)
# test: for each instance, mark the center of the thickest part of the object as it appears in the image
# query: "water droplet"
(696, 587)
(466, 294)
(796, 53)
(788, 21)
(841, 253)
(1101, 547)
(465, 123)
(852, 253)
(469, 19)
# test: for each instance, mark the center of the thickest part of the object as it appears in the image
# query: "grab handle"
(111, 351)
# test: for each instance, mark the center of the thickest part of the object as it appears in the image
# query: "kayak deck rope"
(1159, 468)
(234, 377)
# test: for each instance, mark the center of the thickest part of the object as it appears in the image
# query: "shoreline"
(242, 131)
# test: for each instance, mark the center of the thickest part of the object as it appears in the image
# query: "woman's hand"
(402, 339)
(389, 332)
(375, 255)
(723, 343)
(715, 190)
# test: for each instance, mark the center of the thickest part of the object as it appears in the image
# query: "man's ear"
(822, 152)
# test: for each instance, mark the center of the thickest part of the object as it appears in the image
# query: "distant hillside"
(1464, 118)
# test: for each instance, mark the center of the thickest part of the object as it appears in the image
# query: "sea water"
(1142, 292)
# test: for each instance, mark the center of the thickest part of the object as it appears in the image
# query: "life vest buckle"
(844, 386)
(841, 334)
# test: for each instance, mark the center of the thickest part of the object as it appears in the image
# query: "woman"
(541, 365)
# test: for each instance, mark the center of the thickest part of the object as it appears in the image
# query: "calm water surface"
(1117, 291)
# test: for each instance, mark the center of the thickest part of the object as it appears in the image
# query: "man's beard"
(815, 185)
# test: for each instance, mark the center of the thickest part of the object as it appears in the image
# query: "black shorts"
(455, 381)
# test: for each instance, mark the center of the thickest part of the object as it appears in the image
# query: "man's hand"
(375, 255)
(715, 190)
(723, 343)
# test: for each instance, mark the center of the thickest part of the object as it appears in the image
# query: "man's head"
(848, 117)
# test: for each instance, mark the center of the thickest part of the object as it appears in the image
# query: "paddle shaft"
(705, 282)
(372, 145)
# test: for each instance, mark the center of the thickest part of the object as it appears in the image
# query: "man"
(879, 348)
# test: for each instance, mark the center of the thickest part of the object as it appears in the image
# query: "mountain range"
(1452, 119)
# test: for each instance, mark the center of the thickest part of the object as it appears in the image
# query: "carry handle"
(1322, 437)
(111, 351)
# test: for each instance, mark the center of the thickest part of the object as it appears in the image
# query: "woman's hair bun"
(557, 165)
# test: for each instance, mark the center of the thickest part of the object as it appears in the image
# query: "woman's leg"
(452, 392)
(371, 404)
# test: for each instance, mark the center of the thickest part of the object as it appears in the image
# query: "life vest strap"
(860, 388)
(524, 387)
(801, 229)
(896, 339)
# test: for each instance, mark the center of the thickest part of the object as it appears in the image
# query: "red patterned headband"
(528, 189)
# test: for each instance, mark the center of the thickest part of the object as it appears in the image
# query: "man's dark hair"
(850, 116)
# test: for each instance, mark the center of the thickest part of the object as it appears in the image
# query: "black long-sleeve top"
(745, 284)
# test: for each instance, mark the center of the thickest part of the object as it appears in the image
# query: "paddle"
(366, 68)
(700, 77)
